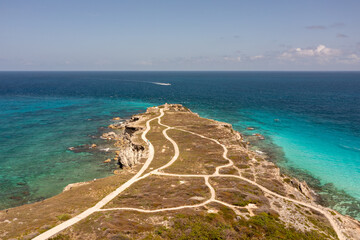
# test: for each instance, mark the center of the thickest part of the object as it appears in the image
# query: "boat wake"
(162, 84)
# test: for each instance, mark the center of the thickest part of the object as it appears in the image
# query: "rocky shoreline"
(128, 149)
(118, 139)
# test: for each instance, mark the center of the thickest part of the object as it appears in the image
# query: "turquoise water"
(317, 137)
(323, 155)
(35, 136)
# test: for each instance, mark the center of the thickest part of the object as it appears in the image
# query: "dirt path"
(51, 232)
(159, 171)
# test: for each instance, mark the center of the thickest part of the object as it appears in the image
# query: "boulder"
(109, 136)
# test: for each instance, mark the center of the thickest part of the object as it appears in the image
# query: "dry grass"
(183, 224)
(272, 184)
(164, 150)
(197, 155)
(238, 157)
(238, 192)
(39, 216)
(229, 170)
(125, 225)
(155, 192)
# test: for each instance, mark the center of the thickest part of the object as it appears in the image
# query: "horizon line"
(179, 70)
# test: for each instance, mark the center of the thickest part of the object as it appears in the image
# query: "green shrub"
(225, 225)
(64, 217)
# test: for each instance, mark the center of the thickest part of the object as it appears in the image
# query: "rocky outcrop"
(74, 185)
(130, 155)
(303, 188)
(110, 136)
(130, 151)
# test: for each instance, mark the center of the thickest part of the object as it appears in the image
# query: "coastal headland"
(182, 177)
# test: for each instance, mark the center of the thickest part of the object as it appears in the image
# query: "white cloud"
(317, 57)
(232, 59)
(257, 57)
(242, 58)
(321, 53)
(350, 59)
(354, 57)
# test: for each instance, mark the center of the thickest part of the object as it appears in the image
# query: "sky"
(134, 35)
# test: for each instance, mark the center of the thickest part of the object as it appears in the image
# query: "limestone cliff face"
(127, 136)
(129, 151)
(130, 154)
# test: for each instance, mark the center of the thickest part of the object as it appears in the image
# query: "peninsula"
(183, 177)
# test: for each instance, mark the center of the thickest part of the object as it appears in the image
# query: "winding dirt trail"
(51, 232)
(159, 171)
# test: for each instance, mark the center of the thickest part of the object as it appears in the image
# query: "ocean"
(310, 120)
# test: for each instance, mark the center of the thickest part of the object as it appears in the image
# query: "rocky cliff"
(127, 140)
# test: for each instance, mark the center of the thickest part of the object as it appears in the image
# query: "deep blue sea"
(42, 114)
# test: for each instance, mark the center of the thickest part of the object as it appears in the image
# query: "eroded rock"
(109, 136)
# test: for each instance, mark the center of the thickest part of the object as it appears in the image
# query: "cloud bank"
(319, 55)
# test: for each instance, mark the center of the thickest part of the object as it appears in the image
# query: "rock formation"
(129, 153)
